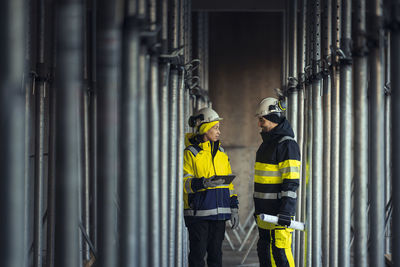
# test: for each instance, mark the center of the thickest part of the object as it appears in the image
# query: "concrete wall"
(244, 67)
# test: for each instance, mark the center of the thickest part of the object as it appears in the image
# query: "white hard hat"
(269, 105)
(202, 116)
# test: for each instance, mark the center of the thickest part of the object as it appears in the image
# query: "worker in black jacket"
(276, 179)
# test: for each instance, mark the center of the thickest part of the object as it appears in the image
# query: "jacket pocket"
(283, 238)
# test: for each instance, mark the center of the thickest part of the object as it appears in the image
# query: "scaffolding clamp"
(292, 85)
(344, 53)
(175, 58)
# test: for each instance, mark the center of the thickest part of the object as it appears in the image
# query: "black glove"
(209, 182)
(284, 220)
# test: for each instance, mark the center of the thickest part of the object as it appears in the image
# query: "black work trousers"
(206, 236)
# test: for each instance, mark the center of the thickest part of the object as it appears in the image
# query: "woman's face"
(213, 133)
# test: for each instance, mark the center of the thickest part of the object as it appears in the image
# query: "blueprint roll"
(274, 219)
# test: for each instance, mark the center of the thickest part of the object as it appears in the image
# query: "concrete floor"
(246, 256)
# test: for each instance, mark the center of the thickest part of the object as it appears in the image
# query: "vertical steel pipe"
(173, 128)
(69, 84)
(395, 86)
(173, 132)
(180, 136)
(164, 148)
(39, 172)
(108, 73)
(50, 235)
(154, 163)
(39, 92)
(154, 148)
(326, 103)
(12, 67)
(164, 155)
(346, 125)
(361, 140)
(143, 125)
(317, 139)
(180, 145)
(292, 82)
(388, 148)
(143, 117)
(301, 132)
(335, 137)
(376, 129)
(93, 126)
(129, 140)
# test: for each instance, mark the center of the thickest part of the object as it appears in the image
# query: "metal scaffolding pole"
(335, 135)
(361, 142)
(317, 139)
(87, 96)
(301, 132)
(50, 235)
(395, 90)
(326, 103)
(143, 118)
(108, 73)
(129, 140)
(388, 148)
(68, 84)
(377, 145)
(293, 93)
(173, 128)
(39, 92)
(292, 80)
(12, 105)
(164, 148)
(93, 219)
(154, 147)
(346, 125)
(180, 137)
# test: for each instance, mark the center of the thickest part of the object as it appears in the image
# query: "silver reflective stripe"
(202, 213)
(186, 175)
(290, 169)
(267, 173)
(286, 138)
(193, 150)
(266, 195)
(231, 192)
(221, 149)
(289, 194)
(188, 185)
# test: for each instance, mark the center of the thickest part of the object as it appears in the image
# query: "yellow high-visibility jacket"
(203, 160)
(276, 174)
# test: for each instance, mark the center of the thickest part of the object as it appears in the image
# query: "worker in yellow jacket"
(208, 202)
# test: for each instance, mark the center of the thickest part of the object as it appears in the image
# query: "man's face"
(213, 133)
(265, 124)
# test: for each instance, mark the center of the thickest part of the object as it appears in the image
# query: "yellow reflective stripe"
(266, 167)
(267, 180)
(273, 264)
(291, 175)
(289, 163)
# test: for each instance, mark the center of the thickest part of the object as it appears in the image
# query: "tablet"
(227, 178)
